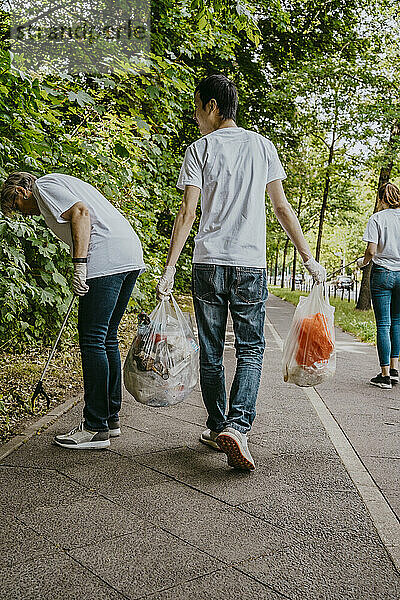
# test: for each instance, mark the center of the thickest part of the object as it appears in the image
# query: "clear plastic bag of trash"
(309, 356)
(162, 364)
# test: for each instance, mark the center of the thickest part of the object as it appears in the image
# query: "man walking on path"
(231, 167)
(107, 257)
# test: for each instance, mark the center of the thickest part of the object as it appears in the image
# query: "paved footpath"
(160, 516)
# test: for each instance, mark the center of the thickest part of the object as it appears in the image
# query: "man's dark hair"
(223, 91)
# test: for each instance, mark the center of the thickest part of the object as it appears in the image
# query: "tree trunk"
(276, 264)
(293, 287)
(294, 270)
(364, 299)
(326, 194)
(284, 262)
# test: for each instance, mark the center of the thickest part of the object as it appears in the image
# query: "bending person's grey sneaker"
(114, 428)
(209, 437)
(234, 444)
(80, 438)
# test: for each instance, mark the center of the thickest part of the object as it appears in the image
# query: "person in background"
(231, 167)
(107, 257)
(383, 236)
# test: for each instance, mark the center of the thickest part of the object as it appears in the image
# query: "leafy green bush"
(34, 289)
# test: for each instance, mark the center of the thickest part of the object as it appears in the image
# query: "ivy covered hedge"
(114, 134)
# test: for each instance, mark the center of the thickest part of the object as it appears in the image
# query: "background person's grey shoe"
(114, 428)
(234, 444)
(209, 437)
(80, 438)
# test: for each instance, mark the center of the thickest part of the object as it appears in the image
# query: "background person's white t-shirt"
(232, 167)
(383, 229)
(114, 246)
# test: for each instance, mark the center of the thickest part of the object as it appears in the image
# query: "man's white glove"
(360, 263)
(317, 271)
(166, 283)
(79, 285)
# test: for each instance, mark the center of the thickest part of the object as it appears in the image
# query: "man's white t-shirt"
(383, 229)
(114, 246)
(232, 167)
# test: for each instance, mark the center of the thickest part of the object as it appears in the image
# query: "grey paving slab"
(19, 543)
(76, 524)
(227, 584)
(381, 409)
(293, 441)
(195, 399)
(394, 500)
(24, 488)
(282, 421)
(387, 471)
(369, 437)
(56, 577)
(145, 561)
(133, 442)
(331, 515)
(210, 473)
(175, 432)
(320, 570)
(186, 412)
(115, 472)
(305, 469)
(206, 522)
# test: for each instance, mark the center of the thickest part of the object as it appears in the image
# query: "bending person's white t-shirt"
(383, 229)
(232, 167)
(114, 246)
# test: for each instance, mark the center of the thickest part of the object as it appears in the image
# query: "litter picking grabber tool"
(39, 389)
(341, 269)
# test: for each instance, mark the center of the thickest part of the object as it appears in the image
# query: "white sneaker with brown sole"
(234, 444)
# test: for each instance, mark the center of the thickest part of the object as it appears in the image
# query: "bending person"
(231, 167)
(383, 236)
(107, 257)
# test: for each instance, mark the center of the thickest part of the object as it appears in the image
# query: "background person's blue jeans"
(244, 291)
(99, 315)
(385, 293)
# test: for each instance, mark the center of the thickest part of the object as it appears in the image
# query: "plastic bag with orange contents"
(309, 356)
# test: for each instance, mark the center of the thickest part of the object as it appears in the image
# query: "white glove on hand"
(166, 283)
(360, 263)
(317, 271)
(79, 285)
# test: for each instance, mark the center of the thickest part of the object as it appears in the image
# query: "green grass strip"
(360, 323)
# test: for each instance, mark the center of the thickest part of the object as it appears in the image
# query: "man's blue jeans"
(385, 292)
(244, 291)
(99, 315)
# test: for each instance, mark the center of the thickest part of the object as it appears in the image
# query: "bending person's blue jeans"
(244, 291)
(99, 315)
(385, 293)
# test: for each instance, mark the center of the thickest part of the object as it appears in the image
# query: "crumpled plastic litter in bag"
(309, 356)
(162, 364)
